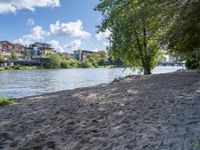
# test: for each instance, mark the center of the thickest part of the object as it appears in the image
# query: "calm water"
(21, 83)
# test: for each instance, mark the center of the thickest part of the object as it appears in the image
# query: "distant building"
(38, 49)
(168, 59)
(7, 47)
(20, 50)
(162, 59)
(82, 54)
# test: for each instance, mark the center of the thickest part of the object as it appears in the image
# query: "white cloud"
(103, 35)
(73, 45)
(11, 6)
(56, 45)
(95, 50)
(30, 22)
(37, 34)
(74, 29)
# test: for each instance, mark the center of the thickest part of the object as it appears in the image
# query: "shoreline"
(159, 111)
(43, 68)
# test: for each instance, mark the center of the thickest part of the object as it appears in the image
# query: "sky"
(66, 24)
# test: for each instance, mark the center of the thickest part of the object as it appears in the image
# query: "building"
(82, 54)
(162, 59)
(38, 49)
(7, 47)
(20, 49)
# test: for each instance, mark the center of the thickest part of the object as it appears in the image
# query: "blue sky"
(66, 24)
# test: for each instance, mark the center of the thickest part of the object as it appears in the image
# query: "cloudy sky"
(66, 24)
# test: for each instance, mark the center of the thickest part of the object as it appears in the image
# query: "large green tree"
(135, 30)
(182, 30)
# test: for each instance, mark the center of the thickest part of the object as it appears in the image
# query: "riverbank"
(20, 68)
(138, 112)
(37, 67)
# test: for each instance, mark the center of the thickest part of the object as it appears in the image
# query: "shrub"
(27, 67)
(65, 64)
(86, 64)
(2, 68)
(192, 64)
(54, 62)
(6, 101)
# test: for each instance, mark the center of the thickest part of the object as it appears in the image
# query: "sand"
(156, 112)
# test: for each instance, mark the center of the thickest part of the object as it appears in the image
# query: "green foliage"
(93, 59)
(61, 61)
(1, 58)
(14, 55)
(86, 64)
(134, 28)
(47, 53)
(2, 68)
(65, 64)
(6, 101)
(27, 53)
(183, 29)
(54, 61)
(103, 54)
(27, 67)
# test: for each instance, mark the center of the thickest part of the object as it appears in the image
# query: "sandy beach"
(156, 112)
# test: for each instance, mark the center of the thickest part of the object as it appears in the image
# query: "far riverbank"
(138, 112)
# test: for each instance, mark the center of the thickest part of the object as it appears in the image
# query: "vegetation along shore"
(140, 112)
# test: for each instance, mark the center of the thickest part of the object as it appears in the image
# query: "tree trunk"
(147, 71)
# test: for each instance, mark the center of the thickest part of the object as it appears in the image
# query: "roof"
(19, 45)
(6, 43)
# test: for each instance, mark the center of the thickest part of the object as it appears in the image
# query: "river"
(22, 83)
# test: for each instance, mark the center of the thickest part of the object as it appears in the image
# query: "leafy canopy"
(134, 26)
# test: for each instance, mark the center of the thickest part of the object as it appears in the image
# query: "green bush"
(54, 62)
(6, 101)
(2, 68)
(74, 63)
(10, 68)
(27, 67)
(65, 64)
(86, 64)
(14, 55)
(192, 64)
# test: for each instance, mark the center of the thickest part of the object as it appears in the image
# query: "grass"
(27, 67)
(2, 68)
(6, 101)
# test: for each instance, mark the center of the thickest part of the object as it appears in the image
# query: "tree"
(54, 61)
(27, 53)
(182, 20)
(94, 59)
(65, 64)
(134, 26)
(14, 55)
(86, 64)
(103, 54)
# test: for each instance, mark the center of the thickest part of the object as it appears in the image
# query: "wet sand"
(156, 112)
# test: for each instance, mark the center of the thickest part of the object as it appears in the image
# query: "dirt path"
(157, 112)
